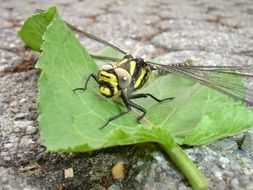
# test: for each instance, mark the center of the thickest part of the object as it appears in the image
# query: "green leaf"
(70, 122)
(221, 124)
(34, 27)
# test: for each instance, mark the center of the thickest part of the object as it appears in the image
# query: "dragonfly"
(124, 77)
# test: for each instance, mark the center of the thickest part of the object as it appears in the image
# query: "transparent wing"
(97, 39)
(92, 37)
(105, 58)
(230, 80)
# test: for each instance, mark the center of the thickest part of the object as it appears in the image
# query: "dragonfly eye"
(106, 67)
(124, 78)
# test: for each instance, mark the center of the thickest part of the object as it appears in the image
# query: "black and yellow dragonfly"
(124, 76)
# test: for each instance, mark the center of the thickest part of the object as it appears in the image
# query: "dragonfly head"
(112, 80)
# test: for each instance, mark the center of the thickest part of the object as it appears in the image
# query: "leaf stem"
(193, 174)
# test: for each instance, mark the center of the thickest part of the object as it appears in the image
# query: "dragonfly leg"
(128, 106)
(93, 75)
(115, 117)
(138, 107)
(145, 95)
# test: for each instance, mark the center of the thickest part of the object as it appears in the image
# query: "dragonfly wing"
(229, 80)
(105, 59)
(85, 34)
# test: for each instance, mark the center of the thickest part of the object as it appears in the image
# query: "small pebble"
(23, 123)
(140, 163)
(13, 139)
(68, 173)
(26, 140)
(118, 171)
(139, 177)
(31, 129)
(8, 145)
(114, 187)
(224, 161)
(14, 110)
(19, 116)
(218, 174)
(22, 100)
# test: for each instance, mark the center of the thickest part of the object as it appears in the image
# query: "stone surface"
(208, 31)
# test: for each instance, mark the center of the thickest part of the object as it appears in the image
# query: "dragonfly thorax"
(112, 80)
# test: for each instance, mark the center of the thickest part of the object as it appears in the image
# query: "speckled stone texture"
(212, 31)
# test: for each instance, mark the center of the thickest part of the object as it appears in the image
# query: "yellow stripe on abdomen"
(140, 78)
(132, 67)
